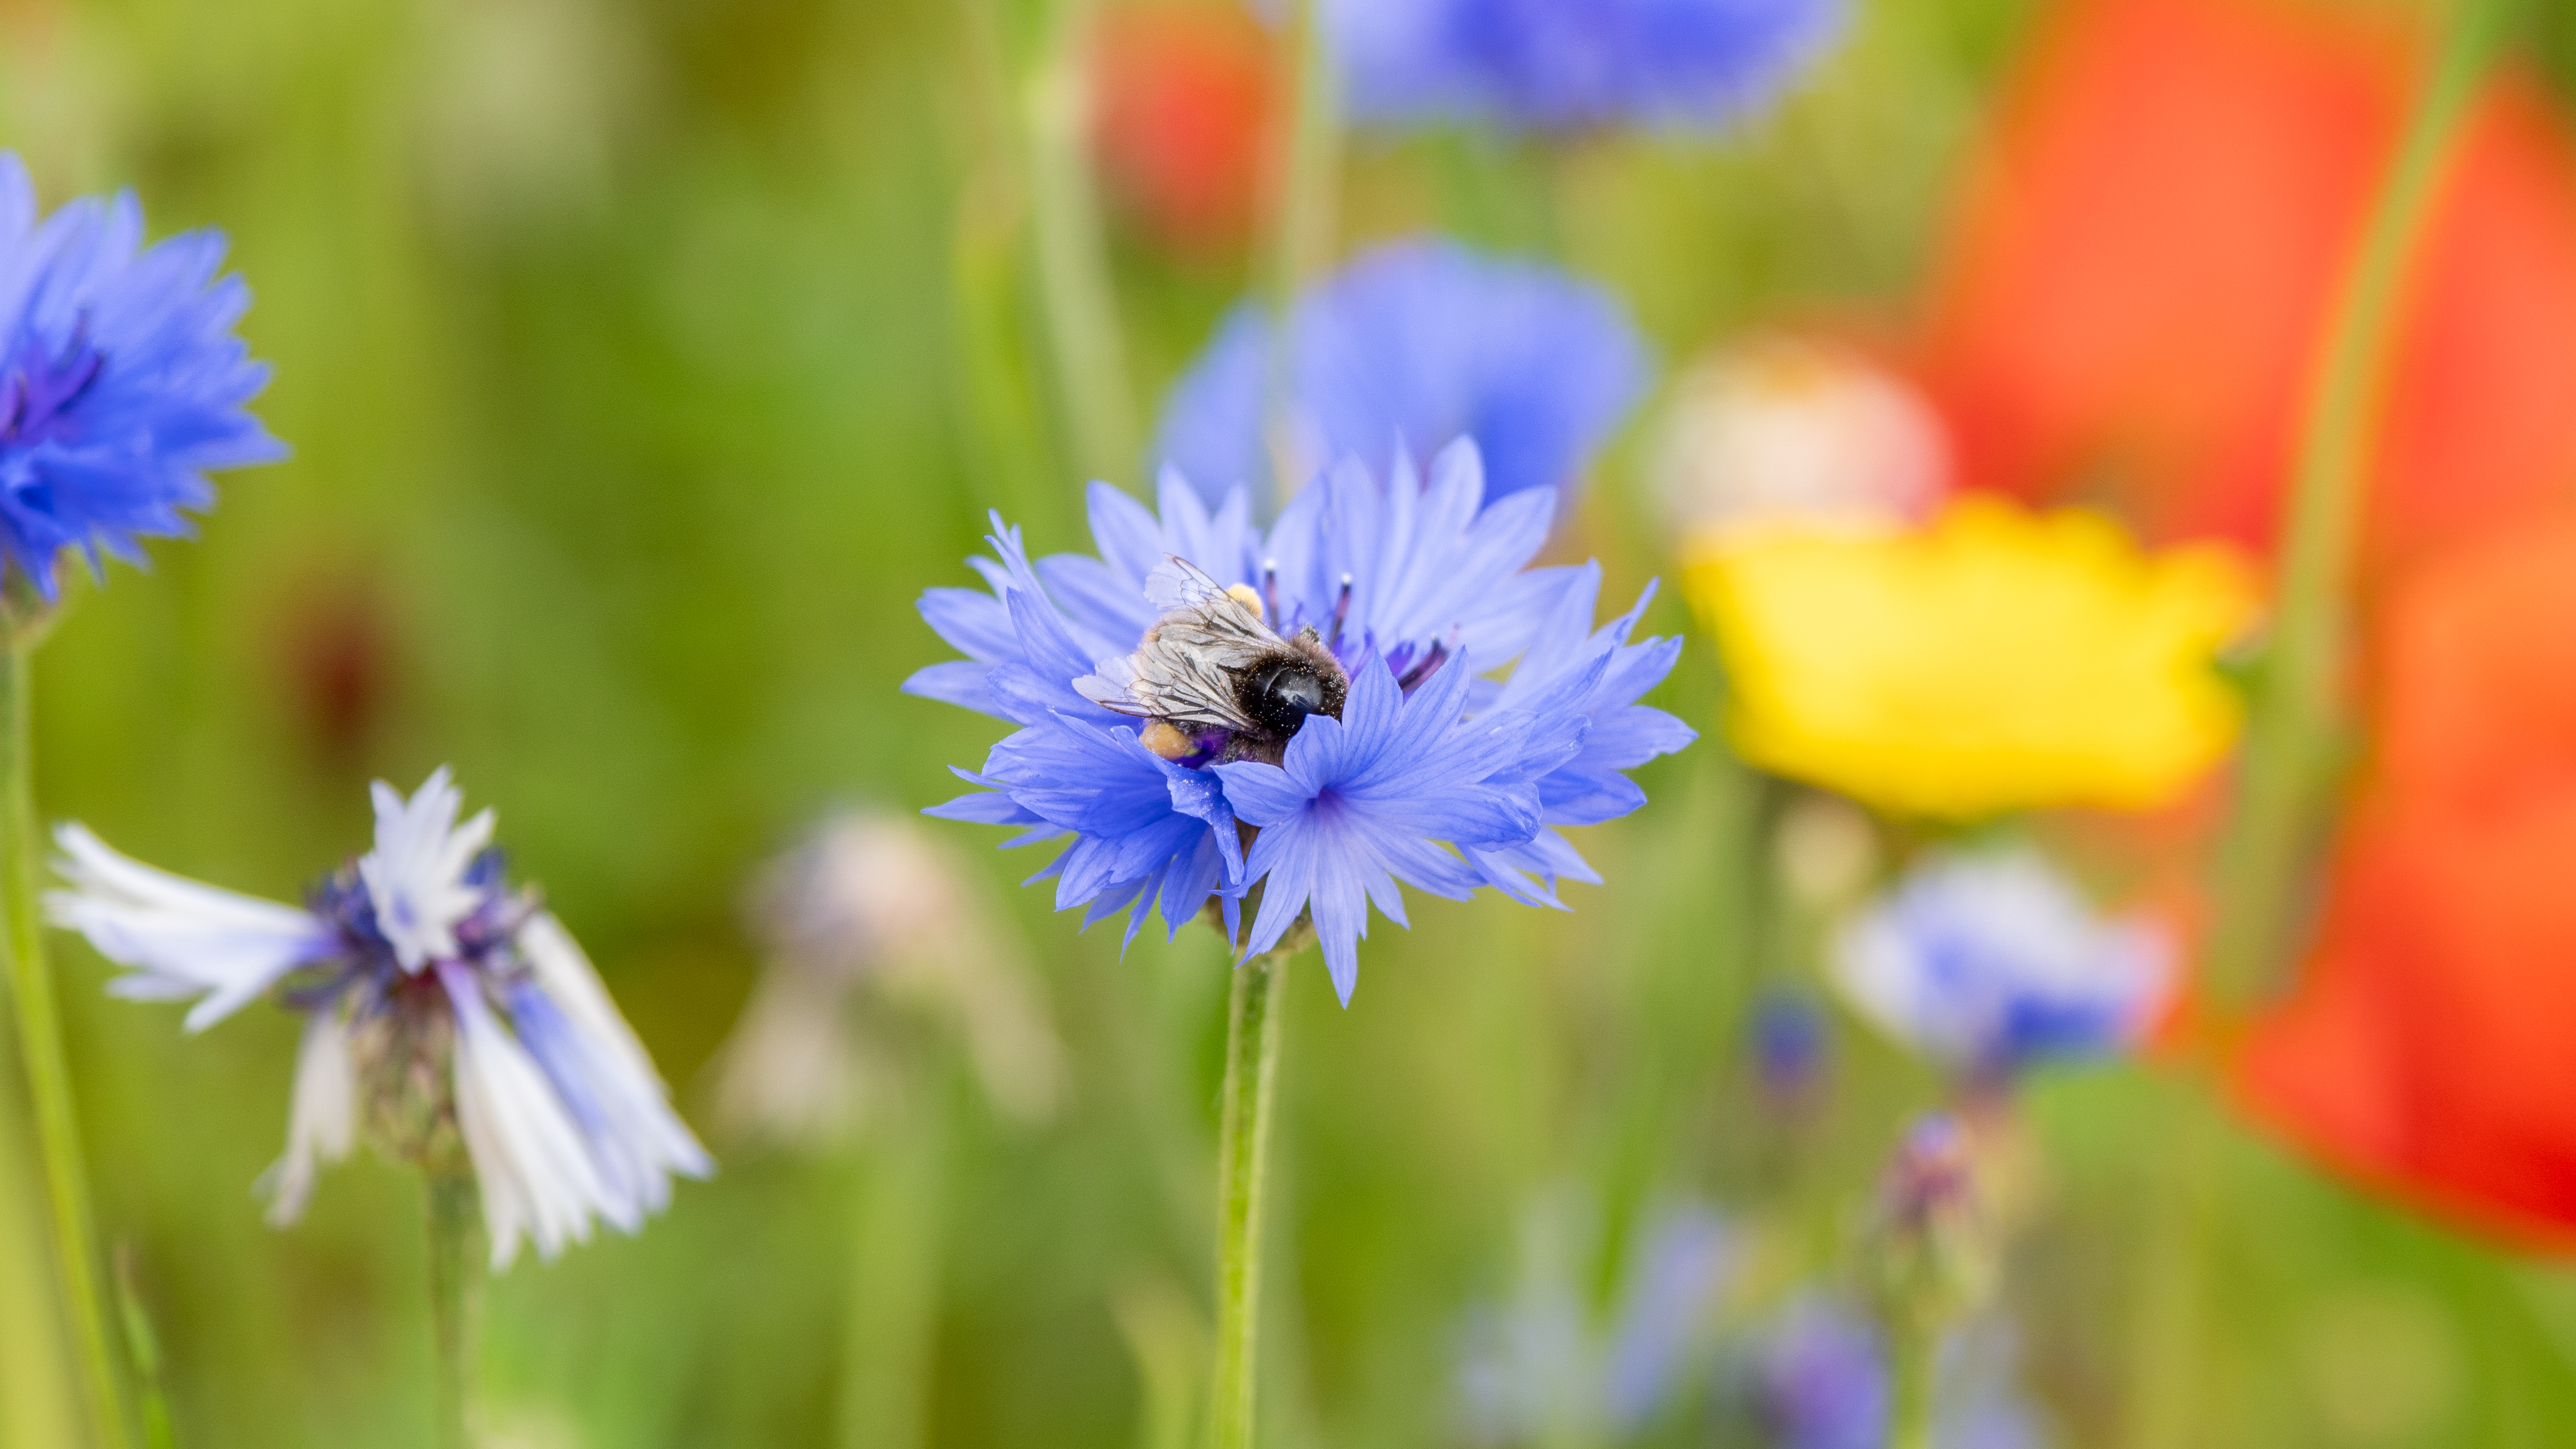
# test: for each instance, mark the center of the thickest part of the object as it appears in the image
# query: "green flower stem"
(1304, 217)
(1243, 1153)
(2292, 734)
(40, 1046)
(1909, 1419)
(1073, 261)
(455, 1282)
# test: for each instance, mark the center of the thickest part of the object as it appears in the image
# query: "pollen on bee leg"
(1249, 598)
(1167, 740)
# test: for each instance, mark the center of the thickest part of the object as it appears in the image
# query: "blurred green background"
(642, 363)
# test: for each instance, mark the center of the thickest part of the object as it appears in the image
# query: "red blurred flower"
(1182, 106)
(2432, 1046)
(2142, 274)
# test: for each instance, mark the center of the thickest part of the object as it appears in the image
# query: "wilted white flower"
(1780, 428)
(872, 928)
(453, 1014)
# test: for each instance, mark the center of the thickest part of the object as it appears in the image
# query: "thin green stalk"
(2168, 1284)
(1304, 221)
(1073, 260)
(1242, 1163)
(455, 1280)
(894, 1283)
(144, 1347)
(1909, 1420)
(40, 1047)
(2291, 736)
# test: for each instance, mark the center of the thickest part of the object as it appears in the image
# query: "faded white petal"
(637, 1142)
(529, 1159)
(416, 874)
(178, 937)
(323, 1120)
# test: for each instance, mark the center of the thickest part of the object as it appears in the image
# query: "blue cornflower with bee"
(1376, 688)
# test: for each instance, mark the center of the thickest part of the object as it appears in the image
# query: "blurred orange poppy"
(2142, 272)
(2432, 1045)
(1181, 96)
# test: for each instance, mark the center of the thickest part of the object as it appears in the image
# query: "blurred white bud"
(1779, 428)
(1827, 851)
(877, 933)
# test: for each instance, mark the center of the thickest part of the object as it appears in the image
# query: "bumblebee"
(1215, 682)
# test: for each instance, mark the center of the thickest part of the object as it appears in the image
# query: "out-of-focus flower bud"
(874, 933)
(1181, 105)
(1789, 1049)
(1931, 1252)
(1780, 428)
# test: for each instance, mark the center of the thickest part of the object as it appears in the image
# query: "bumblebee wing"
(1187, 668)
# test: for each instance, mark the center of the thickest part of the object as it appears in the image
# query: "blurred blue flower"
(1385, 599)
(1534, 1371)
(1821, 1379)
(1822, 1382)
(121, 382)
(1555, 65)
(1789, 1046)
(1408, 348)
(438, 1003)
(1688, 1255)
(1991, 961)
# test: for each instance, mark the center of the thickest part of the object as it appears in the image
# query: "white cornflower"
(454, 1013)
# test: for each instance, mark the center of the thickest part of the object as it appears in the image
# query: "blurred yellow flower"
(1995, 660)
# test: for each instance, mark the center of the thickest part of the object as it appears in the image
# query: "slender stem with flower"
(448, 1012)
(121, 387)
(40, 1042)
(1323, 682)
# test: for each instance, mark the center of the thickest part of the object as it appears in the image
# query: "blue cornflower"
(1991, 961)
(1555, 65)
(1409, 347)
(1536, 1371)
(448, 1011)
(1822, 1381)
(1316, 684)
(1790, 1048)
(121, 382)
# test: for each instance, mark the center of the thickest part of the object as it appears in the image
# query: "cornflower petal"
(416, 873)
(530, 1159)
(323, 1120)
(1412, 346)
(180, 939)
